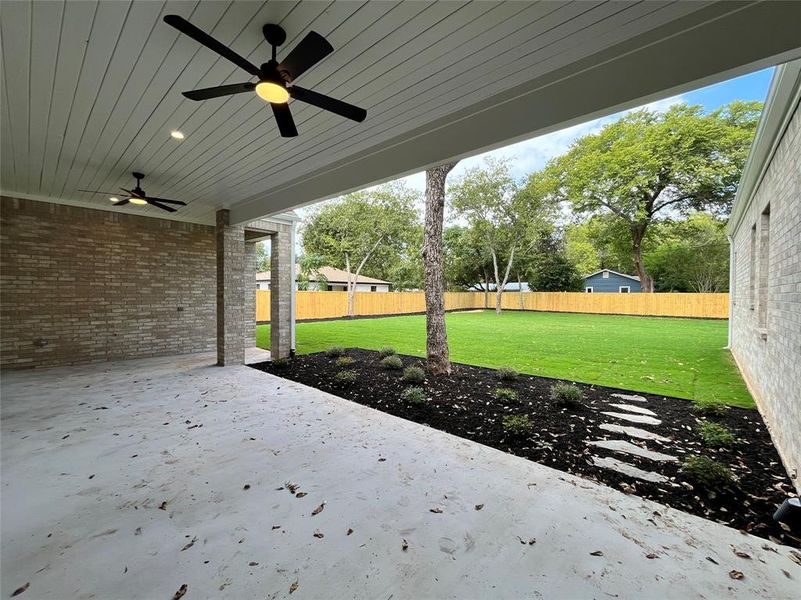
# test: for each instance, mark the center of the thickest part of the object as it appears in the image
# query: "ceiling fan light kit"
(275, 85)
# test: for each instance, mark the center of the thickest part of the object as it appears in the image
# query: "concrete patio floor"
(90, 454)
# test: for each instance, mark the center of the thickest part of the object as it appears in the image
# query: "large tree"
(437, 355)
(502, 218)
(649, 165)
(363, 231)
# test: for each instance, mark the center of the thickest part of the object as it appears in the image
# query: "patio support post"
(230, 291)
(281, 292)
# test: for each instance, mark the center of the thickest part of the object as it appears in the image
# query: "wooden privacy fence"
(332, 305)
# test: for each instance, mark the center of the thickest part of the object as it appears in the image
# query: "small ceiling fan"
(273, 76)
(138, 196)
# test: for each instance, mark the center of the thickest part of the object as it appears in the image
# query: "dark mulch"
(464, 404)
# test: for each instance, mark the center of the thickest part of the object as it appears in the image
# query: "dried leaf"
(651, 556)
(769, 548)
(795, 557)
(246, 486)
(276, 527)
(404, 545)
(532, 541)
(253, 563)
(21, 589)
(712, 560)
(786, 574)
(740, 553)
(435, 510)
(318, 510)
(294, 587)
(349, 531)
(596, 553)
(163, 505)
(291, 487)
(300, 494)
(735, 574)
(479, 506)
(190, 544)
(318, 535)
(180, 593)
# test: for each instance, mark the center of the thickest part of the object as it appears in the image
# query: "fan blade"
(220, 90)
(167, 201)
(161, 206)
(98, 192)
(204, 38)
(328, 103)
(283, 116)
(311, 50)
(121, 202)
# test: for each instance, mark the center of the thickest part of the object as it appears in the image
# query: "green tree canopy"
(649, 165)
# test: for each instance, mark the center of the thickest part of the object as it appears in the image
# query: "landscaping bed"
(464, 403)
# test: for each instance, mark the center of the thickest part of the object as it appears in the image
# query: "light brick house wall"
(97, 285)
(766, 282)
(84, 285)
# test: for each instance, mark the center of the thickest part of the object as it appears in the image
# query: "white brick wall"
(769, 355)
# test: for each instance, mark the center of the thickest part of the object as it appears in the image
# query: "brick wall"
(99, 285)
(766, 294)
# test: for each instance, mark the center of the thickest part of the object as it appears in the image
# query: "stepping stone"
(628, 470)
(630, 398)
(629, 448)
(634, 432)
(634, 418)
(635, 409)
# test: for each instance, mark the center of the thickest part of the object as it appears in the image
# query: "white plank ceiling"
(91, 90)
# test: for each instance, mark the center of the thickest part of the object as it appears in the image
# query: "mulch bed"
(463, 404)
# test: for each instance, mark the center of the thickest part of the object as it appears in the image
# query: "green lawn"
(674, 357)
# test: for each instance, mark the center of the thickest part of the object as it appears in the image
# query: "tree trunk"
(437, 355)
(486, 290)
(520, 291)
(637, 234)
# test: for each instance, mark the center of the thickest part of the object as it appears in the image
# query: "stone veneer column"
(281, 292)
(230, 291)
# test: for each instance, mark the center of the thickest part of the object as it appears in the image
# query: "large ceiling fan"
(138, 196)
(273, 76)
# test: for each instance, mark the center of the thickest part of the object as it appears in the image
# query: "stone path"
(634, 418)
(627, 469)
(629, 448)
(633, 414)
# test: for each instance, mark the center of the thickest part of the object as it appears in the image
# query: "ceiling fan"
(273, 76)
(138, 196)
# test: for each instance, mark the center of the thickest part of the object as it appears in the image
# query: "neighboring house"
(765, 282)
(607, 280)
(336, 281)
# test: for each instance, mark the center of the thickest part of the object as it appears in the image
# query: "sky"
(531, 155)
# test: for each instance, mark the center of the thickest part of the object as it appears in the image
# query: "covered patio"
(132, 478)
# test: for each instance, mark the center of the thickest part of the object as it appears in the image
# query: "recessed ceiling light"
(114, 199)
(177, 134)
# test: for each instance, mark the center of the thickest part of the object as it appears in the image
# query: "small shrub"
(507, 374)
(710, 407)
(414, 395)
(706, 472)
(281, 363)
(346, 377)
(386, 351)
(715, 435)
(506, 394)
(517, 424)
(566, 394)
(392, 362)
(344, 361)
(335, 351)
(414, 375)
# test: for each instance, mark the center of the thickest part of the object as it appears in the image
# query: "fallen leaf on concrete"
(435, 510)
(138, 531)
(291, 487)
(163, 505)
(318, 534)
(190, 544)
(786, 574)
(276, 527)
(596, 553)
(735, 574)
(252, 563)
(740, 553)
(795, 557)
(712, 560)
(294, 587)
(769, 548)
(382, 459)
(349, 531)
(300, 494)
(318, 510)
(532, 541)
(246, 486)
(479, 506)
(21, 589)
(651, 556)
(180, 593)
(404, 545)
